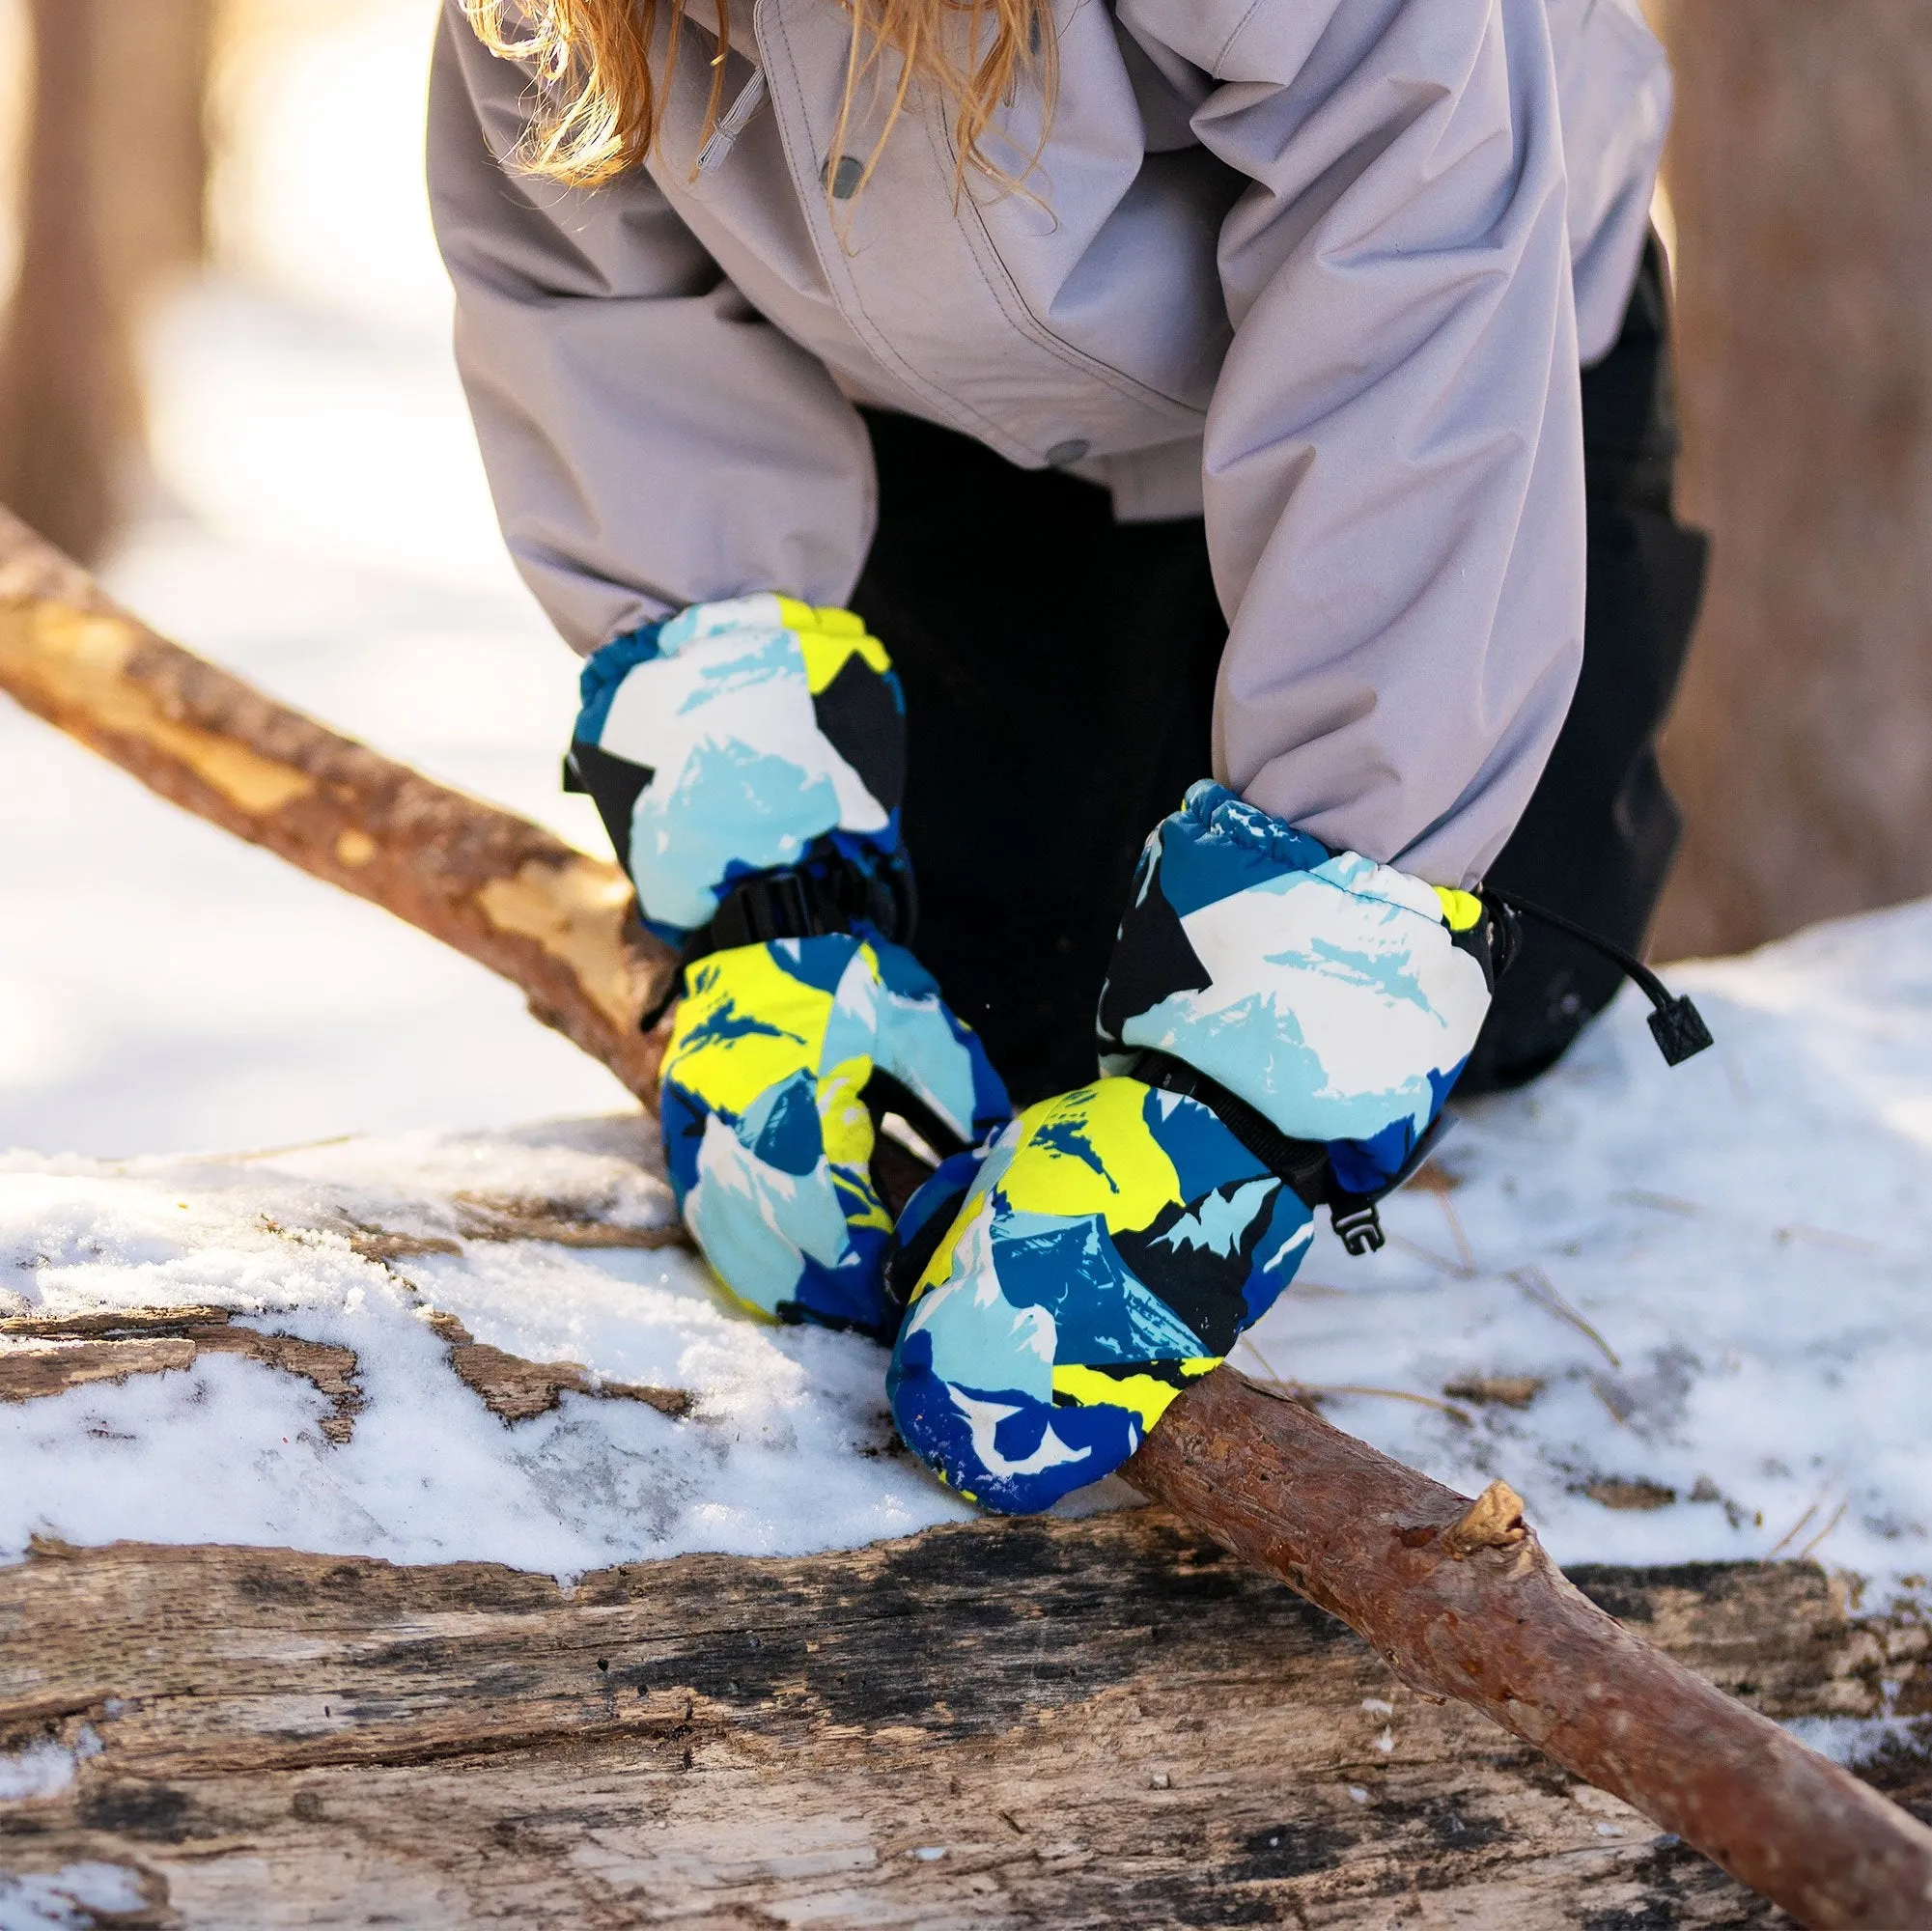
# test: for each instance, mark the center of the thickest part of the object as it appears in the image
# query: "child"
(960, 432)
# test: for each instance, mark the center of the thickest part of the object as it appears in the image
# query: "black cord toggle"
(1680, 1031)
(1676, 1025)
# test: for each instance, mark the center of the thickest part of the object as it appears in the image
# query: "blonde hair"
(600, 107)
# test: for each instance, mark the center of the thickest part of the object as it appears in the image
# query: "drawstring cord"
(733, 123)
(1676, 1025)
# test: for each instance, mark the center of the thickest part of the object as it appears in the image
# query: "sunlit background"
(314, 517)
(295, 494)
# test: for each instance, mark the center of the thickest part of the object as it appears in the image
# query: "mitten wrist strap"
(1305, 1165)
(836, 896)
(808, 904)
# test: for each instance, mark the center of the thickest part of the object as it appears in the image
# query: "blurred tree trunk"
(112, 198)
(1801, 747)
(66, 381)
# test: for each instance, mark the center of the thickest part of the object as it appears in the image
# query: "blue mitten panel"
(736, 738)
(1337, 997)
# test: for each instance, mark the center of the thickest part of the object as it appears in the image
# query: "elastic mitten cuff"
(738, 738)
(1337, 996)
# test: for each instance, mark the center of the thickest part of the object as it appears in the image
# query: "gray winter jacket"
(1323, 269)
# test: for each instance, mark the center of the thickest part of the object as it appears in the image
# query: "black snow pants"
(1059, 671)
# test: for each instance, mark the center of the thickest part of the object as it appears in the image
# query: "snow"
(67, 1899)
(1716, 1273)
(41, 1770)
(1857, 1741)
(790, 1448)
(44, 1769)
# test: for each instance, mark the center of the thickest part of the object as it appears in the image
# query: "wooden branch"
(501, 890)
(1462, 1602)
(1460, 1597)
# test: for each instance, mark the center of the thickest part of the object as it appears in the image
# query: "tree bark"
(1458, 1596)
(68, 408)
(47, 1355)
(1462, 1602)
(1802, 743)
(999, 1726)
(148, 130)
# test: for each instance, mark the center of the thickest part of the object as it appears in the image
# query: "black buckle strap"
(808, 904)
(779, 904)
(1305, 1165)
(796, 904)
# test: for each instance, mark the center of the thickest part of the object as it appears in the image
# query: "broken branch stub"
(553, 921)
(1462, 1602)
(1460, 1598)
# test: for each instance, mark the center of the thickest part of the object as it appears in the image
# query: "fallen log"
(1458, 1596)
(997, 1724)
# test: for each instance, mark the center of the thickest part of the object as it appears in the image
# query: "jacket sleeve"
(1393, 461)
(651, 441)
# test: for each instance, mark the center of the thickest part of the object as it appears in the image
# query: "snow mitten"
(779, 1056)
(1280, 1026)
(747, 759)
(741, 739)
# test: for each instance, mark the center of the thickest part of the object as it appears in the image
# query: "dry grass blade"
(1455, 1270)
(1311, 1393)
(1336, 1391)
(276, 1152)
(1838, 1515)
(1797, 1529)
(1456, 1231)
(1538, 1287)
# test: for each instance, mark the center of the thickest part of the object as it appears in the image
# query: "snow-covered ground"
(1709, 1283)
(1716, 1276)
(790, 1447)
